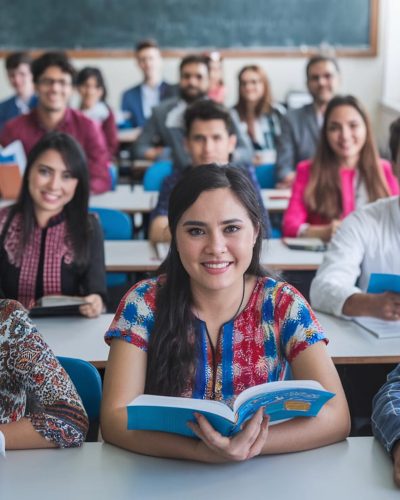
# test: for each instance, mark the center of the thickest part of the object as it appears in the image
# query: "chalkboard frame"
(370, 51)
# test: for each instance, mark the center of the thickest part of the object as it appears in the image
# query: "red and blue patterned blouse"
(256, 346)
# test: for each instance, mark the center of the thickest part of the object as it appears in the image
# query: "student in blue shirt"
(138, 101)
(18, 66)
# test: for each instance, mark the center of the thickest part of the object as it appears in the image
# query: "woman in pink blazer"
(345, 174)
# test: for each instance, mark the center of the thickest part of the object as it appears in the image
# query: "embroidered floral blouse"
(33, 384)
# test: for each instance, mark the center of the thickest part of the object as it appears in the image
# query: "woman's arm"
(127, 363)
(297, 213)
(324, 232)
(332, 423)
(22, 435)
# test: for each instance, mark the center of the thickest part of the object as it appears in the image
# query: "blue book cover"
(381, 283)
(281, 400)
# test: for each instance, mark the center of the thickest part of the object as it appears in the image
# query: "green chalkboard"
(239, 25)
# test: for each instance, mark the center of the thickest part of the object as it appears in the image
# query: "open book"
(57, 305)
(281, 400)
(313, 244)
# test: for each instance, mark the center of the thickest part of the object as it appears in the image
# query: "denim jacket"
(386, 411)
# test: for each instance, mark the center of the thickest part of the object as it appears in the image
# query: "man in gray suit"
(165, 128)
(301, 127)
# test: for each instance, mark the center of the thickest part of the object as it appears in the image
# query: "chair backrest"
(266, 176)
(87, 382)
(154, 175)
(116, 225)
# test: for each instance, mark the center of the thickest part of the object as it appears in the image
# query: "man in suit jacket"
(165, 128)
(138, 101)
(301, 127)
(18, 66)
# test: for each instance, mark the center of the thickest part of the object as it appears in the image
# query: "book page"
(205, 405)
(60, 300)
(379, 327)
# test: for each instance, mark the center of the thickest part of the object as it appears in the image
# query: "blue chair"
(116, 226)
(266, 176)
(87, 381)
(154, 175)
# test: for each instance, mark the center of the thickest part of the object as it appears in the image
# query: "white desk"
(77, 337)
(353, 469)
(349, 343)
(134, 200)
(276, 200)
(139, 255)
(83, 338)
(126, 199)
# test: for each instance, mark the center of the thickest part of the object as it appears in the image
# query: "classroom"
(272, 271)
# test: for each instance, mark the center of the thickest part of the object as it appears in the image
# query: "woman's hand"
(325, 232)
(248, 443)
(94, 307)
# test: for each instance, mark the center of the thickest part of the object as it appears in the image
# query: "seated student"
(259, 118)
(210, 138)
(18, 66)
(54, 77)
(301, 127)
(213, 288)
(217, 89)
(49, 244)
(139, 101)
(345, 173)
(368, 242)
(386, 419)
(93, 92)
(39, 405)
(165, 129)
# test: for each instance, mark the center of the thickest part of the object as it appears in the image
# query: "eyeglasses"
(254, 81)
(49, 82)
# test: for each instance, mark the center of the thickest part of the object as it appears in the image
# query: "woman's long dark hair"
(172, 352)
(76, 211)
(323, 194)
(92, 72)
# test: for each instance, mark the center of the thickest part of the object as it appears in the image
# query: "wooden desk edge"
(365, 360)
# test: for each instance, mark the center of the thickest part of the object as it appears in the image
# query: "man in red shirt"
(54, 77)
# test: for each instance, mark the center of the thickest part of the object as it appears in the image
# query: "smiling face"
(251, 86)
(149, 61)
(90, 92)
(21, 80)
(51, 185)
(194, 81)
(322, 81)
(54, 89)
(346, 134)
(215, 239)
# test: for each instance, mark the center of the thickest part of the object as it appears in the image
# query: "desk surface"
(349, 343)
(130, 200)
(83, 338)
(353, 469)
(139, 255)
(77, 337)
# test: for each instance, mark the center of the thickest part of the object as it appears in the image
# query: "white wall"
(360, 76)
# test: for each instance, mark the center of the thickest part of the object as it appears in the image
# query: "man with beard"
(165, 128)
(301, 127)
